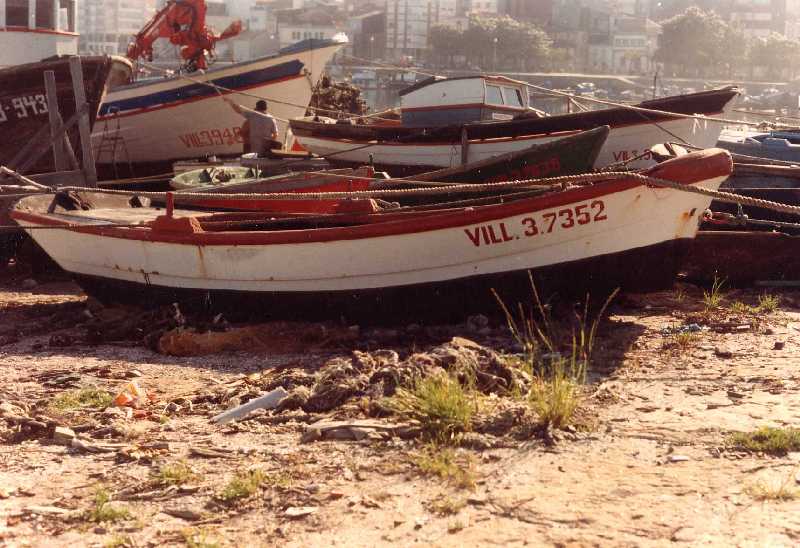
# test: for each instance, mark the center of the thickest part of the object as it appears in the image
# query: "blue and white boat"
(184, 116)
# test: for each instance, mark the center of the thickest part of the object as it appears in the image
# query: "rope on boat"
(580, 179)
(564, 180)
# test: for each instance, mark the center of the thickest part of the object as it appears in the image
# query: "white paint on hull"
(636, 218)
(185, 130)
(623, 143)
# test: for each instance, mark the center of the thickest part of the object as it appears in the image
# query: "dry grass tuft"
(199, 539)
(447, 464)
(445, 505)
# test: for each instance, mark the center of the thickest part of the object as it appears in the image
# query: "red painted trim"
(39, 31)
(690, 169)
(196, 99)
(463, 106)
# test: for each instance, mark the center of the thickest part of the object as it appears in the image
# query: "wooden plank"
(40, 143)
(52, 109)
(62, 178)
(84, 126)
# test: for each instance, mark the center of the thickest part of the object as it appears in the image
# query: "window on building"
(493, 95)
(17, 13)
(44, 14)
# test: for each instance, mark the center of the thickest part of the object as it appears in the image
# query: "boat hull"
(24, 109)
(172, 119)
(623, 144)
(655, 267)
(632, 134)
(474, 247)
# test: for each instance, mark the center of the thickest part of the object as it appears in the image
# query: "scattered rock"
(678, 458)
(184, 513)
(474, 440)
(722, 352)
(300, 511)
(63, 435)
(779, 345)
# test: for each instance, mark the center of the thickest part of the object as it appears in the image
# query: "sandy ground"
(650, 468)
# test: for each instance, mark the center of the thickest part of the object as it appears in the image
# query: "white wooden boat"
(448, 122)
(180, 117)
(615, 233)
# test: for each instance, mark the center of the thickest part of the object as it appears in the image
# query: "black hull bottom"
(742, 258)
(643, 269)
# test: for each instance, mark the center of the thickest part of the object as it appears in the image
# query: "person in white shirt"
(263, 131)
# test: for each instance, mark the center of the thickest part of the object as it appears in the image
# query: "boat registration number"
(212, 137)
(23, 107)
(535, 225)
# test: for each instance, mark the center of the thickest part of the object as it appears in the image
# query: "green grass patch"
(555, 395)
(447, 464)
(774, 441)
(768, 303)
(83, 397)
(442, 405)
(555, 356)
(103, 512)
(244, 485)
(713, 297)
(176, 473)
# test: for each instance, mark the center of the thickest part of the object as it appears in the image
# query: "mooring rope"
(587, 178)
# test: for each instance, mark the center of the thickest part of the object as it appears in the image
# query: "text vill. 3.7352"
(537, 224)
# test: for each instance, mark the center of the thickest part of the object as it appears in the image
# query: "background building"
(408, 24)
(106, 26)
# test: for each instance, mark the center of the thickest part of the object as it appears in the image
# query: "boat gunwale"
(705, 165)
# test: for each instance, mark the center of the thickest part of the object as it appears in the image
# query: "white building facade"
(408, 24)
(108, 26)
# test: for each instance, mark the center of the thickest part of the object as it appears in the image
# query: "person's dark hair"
(261, 106)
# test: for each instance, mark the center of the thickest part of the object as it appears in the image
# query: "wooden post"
(55, 122)
(84, 127)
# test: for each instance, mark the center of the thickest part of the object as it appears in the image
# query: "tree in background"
(693, 43)
(777, 54)
(492, 43)
(446, 43)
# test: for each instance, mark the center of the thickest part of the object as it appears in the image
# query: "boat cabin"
(439, 101)
(32, 30)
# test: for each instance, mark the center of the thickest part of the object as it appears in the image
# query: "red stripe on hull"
(689, 169)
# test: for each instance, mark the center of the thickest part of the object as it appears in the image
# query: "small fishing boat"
(774, 145)
(450, 122)
(380, 265)
(567, 156)
(212, 176)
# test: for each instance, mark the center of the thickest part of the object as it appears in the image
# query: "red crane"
(184, 23)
